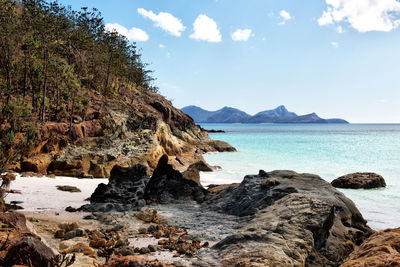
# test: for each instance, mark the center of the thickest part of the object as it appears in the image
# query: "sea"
(328, 150)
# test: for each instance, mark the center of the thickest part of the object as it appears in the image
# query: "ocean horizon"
(328, 150)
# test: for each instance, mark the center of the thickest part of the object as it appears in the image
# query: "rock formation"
(299, 220)
(365, 180)
(138, 127)
(130, 187)
(193, 171)
(168, 184)
(381, 249)
(19, 245)
(287, 218)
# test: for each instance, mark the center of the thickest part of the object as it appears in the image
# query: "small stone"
(206, 245)
(152, 248)
(70, 209)
(78, 232)
(142, 230)
(152, 228)
(69, 235)
(125, 251)
(59, 234)
(120, 243)
(117, 228)
(66, 244)
(89, 217)
(68, 188)
(98, 233)
(68, 226)
(144, 250)
(99, 243)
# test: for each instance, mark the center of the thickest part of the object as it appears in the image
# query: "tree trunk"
(44, 85)
(108, 71)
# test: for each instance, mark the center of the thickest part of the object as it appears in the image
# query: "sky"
(338, 58)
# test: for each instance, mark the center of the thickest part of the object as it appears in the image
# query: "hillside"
(232, 115)
(76, 100)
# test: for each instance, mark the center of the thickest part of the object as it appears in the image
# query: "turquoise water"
(329, 150)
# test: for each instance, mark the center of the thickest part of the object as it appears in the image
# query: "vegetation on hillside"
(52, 58)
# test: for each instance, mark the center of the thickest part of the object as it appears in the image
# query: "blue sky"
(338, 58)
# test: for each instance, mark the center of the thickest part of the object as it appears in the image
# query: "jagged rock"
(29, 251)
(300, 220)
(167, 184)
(358, 180)
(193, 171)
(125, 186)
(379, 250)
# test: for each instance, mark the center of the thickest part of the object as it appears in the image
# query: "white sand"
(41, 193)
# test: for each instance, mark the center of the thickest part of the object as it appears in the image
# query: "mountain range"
(233, 115)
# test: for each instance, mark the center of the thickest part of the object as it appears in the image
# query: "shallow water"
(329, 150)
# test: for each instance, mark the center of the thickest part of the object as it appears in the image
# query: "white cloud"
(335, 44)
(205, 29)
(340, 29)
(363, 15)
(241, 35)
(285, 16)
(165, 21)
(162, 46)
(132, 34)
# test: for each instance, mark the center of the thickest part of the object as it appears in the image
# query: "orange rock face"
(379, 250)
(137, 127)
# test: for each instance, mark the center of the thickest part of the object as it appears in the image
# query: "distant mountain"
(233, 115)
(273, 115)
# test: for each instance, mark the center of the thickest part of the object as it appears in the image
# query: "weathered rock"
(193, 171)
(136, 128)
(148, 216)
(365, 180)
(125, 186)
(144, 250)
(152, 248)
(29, 251)
(167, 184)
(68, 188)
(216, 188)
(99, 243)
(300, 220)
(379, 250)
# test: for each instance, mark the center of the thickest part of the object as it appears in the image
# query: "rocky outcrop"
(381, 249)
(137, 128)
(168, 184)
(365, 180)
(124, 191)
(299, 220)
(19, 245)
(130, 187)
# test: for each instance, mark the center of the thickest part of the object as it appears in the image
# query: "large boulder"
(168, 184)
(365, 180)
(29, 251)
(125, 187)
(295, 220)
(19, 245)
(381, 249)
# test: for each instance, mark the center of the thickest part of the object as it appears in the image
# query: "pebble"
(144, 250)
(152, 248)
